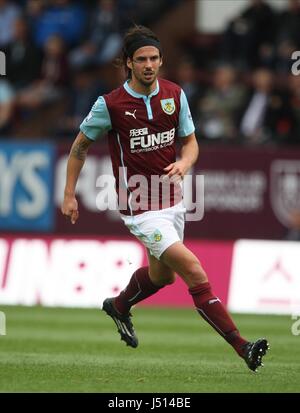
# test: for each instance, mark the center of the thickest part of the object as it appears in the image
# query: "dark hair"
(136, 35)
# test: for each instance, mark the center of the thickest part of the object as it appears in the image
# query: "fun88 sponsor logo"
(142, 141)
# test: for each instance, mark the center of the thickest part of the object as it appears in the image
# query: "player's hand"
(70, 208)
(176, 170)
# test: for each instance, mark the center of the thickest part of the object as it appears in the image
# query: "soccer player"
(143, 119)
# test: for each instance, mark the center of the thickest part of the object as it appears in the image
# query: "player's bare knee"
(170, 279)
(163, 279)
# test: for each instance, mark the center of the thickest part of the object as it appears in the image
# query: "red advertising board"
(83, 271)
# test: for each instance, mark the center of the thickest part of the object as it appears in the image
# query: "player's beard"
(143, 78)
(149, 82)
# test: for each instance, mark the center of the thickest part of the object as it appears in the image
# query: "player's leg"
(160, 273)
(144, 282)
(187, 265)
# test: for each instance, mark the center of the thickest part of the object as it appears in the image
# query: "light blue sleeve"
(186, 124)
(97, 123)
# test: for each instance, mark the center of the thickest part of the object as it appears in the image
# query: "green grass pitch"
(78, 350)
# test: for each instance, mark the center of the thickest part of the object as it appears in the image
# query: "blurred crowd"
(240, 85)
(251, 95)
(55, 50)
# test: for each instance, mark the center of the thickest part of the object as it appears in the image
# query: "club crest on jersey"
(168, 106)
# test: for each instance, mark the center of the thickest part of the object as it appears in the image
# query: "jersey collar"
(139, 95)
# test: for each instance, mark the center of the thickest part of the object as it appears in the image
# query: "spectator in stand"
(84, 90)
(148, 11)
(289, 23)
(6, 106)
(23, 58)
(103, 41)
(9, 12)
(61, 17)
(54, 77)
(218, 111)
(288, 36)
(250, 35)
(128, 11)
(186, 77)
(294, 87)
(267, 116)
(33, 12)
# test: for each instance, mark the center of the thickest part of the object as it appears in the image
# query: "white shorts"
(157, 230)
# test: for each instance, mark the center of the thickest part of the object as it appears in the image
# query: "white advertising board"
(265, 277)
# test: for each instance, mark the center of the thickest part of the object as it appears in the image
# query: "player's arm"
(75, 163)
(95, 125)
(189, 151)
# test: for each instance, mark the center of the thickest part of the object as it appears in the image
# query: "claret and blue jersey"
(141, 129)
